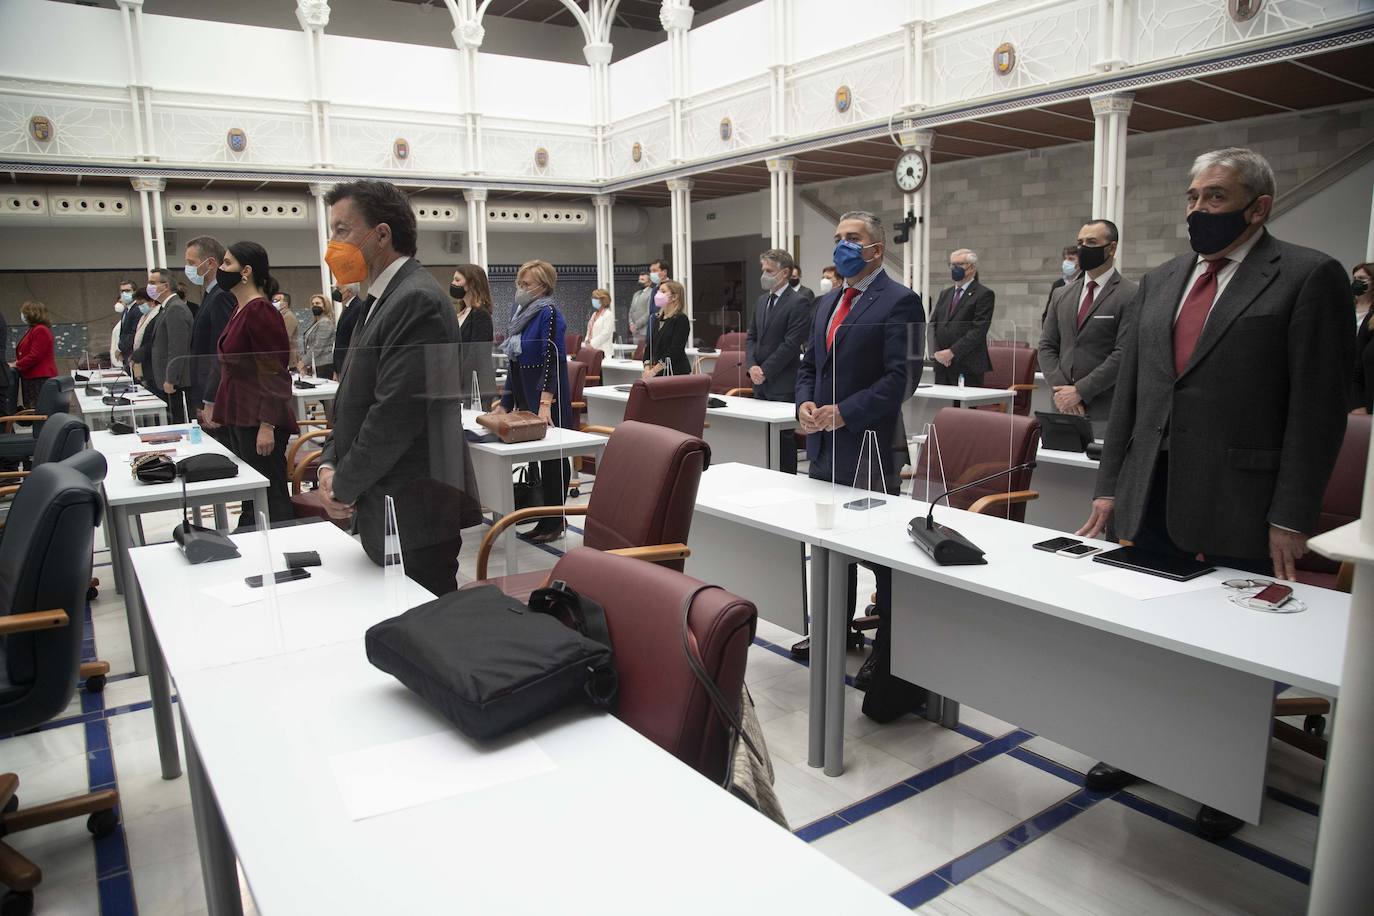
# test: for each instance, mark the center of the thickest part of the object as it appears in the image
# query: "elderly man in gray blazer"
(1078, 343)
(397, 415)
(172, 347)
(1230, 400)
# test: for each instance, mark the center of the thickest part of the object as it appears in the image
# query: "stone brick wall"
(1019, 210)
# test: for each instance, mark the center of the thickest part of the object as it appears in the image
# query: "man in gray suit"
(1078, 343)
(172, 346)
(639, 308)
(772, 348)
(1230, 408)
(397, 415)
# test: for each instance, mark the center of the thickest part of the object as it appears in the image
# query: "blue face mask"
(143, 308)
(957, 273)
(849, 258)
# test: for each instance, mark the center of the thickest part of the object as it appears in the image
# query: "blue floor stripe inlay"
(1293, 801)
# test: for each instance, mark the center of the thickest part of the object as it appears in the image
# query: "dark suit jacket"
(209, 324)
(1362, 388)
(143, 355)
(477, 335)
(881, 336)
(966, 333)
(172, 344)
(1055, 287)
(397, 420)
(1252, 426)
(1088, 357)
(801, 289)
(774, 343)
(343, 331)
(668, 341)
(128, 326)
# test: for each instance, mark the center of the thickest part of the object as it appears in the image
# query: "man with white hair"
(959, 324)
(1229, 408)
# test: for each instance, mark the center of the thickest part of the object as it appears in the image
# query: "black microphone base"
(946, 546)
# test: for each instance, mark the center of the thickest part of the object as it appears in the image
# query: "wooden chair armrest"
(740, 393)
(656, 553)
(301, 440)
(4, 474)
(578, 405)
(1345, 577)
(593, 381)
(322, 424)
(1003, 499)
(1021, 387)
(23, 417)
(34, 620)
(517, 517)
(8, 491)
(298, 473)
(599, 430)
(1301, 706)
(93, 669)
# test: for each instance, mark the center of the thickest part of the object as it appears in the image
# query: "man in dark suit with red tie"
(959, 324)
(1230, 400)
(855, 375)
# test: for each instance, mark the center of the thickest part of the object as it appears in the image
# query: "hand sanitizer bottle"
(195, 432)
(961, 380)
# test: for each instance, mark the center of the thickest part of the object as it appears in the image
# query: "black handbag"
(489, 664)
(154, 469)
(528, 486)
(207, 467)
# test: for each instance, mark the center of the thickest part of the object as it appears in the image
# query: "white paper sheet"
(403, 774)
(237, 594)
(753, 499)
(1145, 587)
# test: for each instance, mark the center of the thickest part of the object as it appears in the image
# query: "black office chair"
(60, 437)
(45, 563)
(53, 397)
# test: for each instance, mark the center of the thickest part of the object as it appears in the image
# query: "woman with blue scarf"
(538, 377)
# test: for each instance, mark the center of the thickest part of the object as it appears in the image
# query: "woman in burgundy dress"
(254, 403)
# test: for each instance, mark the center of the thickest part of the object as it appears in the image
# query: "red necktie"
(954, 301)
(1087, 305)
(1191, 318)
(840, 315)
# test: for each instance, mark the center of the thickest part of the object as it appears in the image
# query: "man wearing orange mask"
(397, 433)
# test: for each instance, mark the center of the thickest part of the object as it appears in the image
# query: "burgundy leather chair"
(577, 384)
(639, 352)
(1013, 367)
(675, 401)
(1340, 506)
(731, 340)
(659, 697)
(646, 514)
(592, 357)
(729, 375)
(975, 443)
(571, 342)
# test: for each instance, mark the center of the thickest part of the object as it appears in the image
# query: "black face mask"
(228, 279)
(794, 282)
(457, 291)
(316, 310)
(1213, 232)
(336, 295)
(1090, 258)
(1358, 288)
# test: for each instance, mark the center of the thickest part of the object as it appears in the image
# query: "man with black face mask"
(1078, 342)
(1230, 400)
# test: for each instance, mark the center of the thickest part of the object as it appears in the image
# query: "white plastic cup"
(825, 513)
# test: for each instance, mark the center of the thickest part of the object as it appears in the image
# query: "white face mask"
(654, 277)
(826, 286)
(596, 304)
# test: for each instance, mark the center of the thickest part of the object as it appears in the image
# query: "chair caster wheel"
(12, 805)
(92, 593)
(17, 903)
(574, 493)
(102, 823)
(1314, 725)
(856, 641)
(95, 683)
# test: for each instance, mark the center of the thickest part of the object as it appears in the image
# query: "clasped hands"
(332, 506)
(1068, 400)
(815, 419)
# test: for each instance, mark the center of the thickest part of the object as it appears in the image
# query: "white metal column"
(477, 225)
(780, 174)
(605, 245)
(467, 37)
(598, 55)
(1110, 113)
(1342, 881)
(142, 190)
(681, 189)
(676, 18)
(160, 234)
(150, 204)
(779, 56)
(127, 10)
(318, 191)
(916, 252)
(313, 17)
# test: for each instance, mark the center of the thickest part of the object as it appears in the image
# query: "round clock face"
(910, 171)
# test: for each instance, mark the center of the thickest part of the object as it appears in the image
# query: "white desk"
(324, 390)
(1065, 482)
(744, 430)
(624, 349)
(127, 498)
(621, 371)
(494, 463)
(1178, 690)
(97, 414)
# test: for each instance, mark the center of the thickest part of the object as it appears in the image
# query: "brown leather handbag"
(514, 426)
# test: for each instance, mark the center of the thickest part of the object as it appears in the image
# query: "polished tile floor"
(986, 819)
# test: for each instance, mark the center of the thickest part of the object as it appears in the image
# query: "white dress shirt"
(1100, 281)
(379, 286)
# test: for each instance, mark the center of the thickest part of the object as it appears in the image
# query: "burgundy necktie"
(841, 313)
(1193, 316)
(954, 301)
(1087, 305)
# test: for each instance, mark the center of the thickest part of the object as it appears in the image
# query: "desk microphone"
(946, 546)
(199, 544)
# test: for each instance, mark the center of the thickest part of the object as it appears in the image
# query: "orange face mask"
(346, 261)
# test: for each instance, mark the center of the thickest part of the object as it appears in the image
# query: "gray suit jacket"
(1087, 358)
(172, 346)
(1252, 426)
(397, 419)
(639, 310)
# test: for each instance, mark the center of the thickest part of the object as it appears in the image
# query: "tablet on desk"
(1180, 569)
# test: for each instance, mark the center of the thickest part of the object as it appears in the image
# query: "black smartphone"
(1054, 545)
(1079, 550)
(285, 575)
(868, 502)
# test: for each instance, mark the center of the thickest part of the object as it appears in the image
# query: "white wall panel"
(369, 143)
(730, 49)
(1170, 28)
(385, 74)
(749, 122)
(40, 40)
(651, 132)
(206, 58)
(641, 82)
(821, 26)
(516, 87)
(96, 130)
(200, 137)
